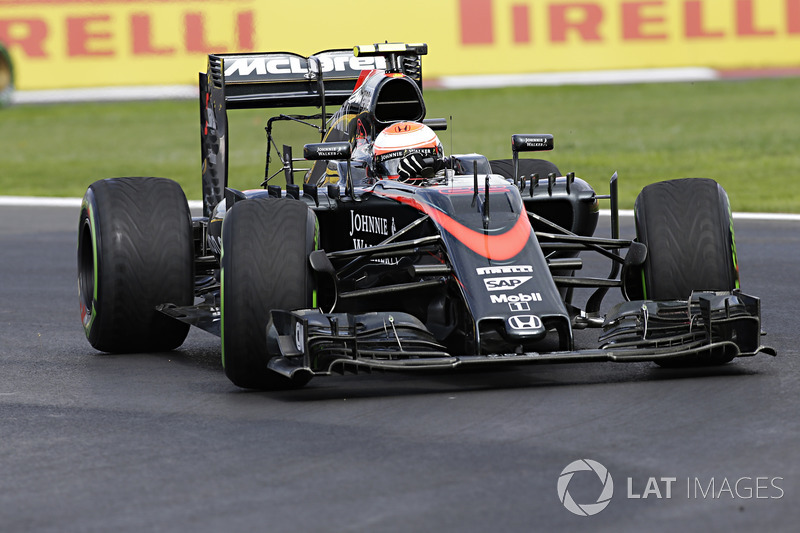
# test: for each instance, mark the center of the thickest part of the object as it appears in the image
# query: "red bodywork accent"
(496, 247)
(363, 77)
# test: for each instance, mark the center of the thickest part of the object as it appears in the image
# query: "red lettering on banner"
(141, 35)
(476, 21)
(693, 19)
(745, 24)
(633, 21)
(196, 37)
(522, 30)
(587, 26)
(793, 16)
(80, 36)
(28, 34)
(639, 20)
(245, 31)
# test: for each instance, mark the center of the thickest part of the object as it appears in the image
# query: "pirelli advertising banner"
(80, 43)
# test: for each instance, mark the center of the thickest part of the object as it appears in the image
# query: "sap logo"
(261, 66)
(516, 298)
(504, 284)
(510, 269)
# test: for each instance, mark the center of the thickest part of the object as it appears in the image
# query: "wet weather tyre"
(265, 266)
(527, 168)
(687, 228)
(135, 251)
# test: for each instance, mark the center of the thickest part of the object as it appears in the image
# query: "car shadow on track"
(201, 354)
(378, 385)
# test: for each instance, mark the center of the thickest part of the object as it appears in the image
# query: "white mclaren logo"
(246, 66)
(506, 283)
(526, 322)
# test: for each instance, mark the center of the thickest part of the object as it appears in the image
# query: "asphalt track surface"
(163, 442)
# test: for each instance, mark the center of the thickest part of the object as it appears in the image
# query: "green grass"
(746, 135)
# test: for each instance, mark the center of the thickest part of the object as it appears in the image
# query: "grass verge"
(743, 134)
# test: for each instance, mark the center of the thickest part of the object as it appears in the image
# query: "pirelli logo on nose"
(506, 269)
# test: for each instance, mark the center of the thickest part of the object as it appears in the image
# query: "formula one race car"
(391, 256)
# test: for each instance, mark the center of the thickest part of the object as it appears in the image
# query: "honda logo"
(525, 322)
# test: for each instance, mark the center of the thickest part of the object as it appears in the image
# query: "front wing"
(709, 327)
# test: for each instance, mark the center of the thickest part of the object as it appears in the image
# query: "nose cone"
(525, 327)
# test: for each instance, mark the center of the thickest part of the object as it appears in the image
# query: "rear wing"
(283, 79)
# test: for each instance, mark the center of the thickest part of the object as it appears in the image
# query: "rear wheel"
(687, 227)
(135, 252)
(265, 249)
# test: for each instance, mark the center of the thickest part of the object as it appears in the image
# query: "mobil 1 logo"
(517, 302)
(505, 279)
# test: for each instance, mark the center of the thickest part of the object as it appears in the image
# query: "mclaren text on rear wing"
(282, 79)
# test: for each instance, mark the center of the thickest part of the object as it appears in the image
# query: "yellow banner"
(81, 43)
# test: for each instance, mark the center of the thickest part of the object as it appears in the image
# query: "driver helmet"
(399, 140)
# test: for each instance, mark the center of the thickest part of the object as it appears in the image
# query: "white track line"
(105, 94)
(37, 201)
(483, 81)
(596, 77)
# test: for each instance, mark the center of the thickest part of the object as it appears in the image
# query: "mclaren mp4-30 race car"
(387, 254)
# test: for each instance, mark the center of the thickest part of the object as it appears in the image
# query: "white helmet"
(399, 140)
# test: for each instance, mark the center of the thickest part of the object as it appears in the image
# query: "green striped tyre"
(687, 227)
(135, 251)
(265, 266)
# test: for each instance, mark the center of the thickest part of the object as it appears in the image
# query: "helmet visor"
(387, 164)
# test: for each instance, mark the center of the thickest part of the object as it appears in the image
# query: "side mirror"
(436, 124)
(528, 142)
(332, 151)
(531, 142)
(329, 150)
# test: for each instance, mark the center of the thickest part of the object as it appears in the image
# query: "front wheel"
(265, 249)
(687, 227)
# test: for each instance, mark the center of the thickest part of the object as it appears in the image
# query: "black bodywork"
(472, 267)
